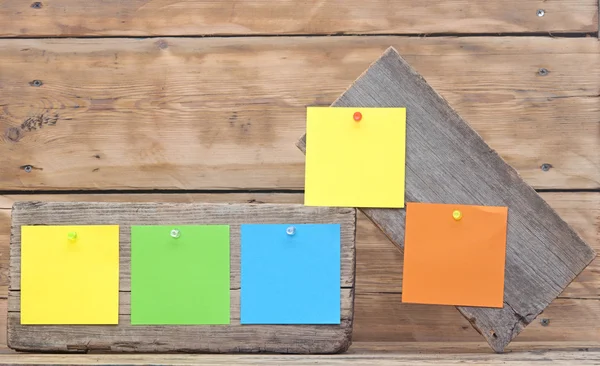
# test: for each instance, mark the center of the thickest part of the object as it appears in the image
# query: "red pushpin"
(357, 116)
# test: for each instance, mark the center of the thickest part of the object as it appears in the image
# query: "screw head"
(36, 83)
(545, 167)
(545, 322)
(28, 168)
(175, 233)
(36, 5)
(541, 12)
(290, 230)
(543, 72)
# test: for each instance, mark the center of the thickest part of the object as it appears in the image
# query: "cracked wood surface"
(448, 162)
(222, 338)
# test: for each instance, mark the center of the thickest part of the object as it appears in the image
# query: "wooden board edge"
(339, 345)
(521, 321)
(496, 343)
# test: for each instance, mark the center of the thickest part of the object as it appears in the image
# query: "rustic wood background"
(197, 101)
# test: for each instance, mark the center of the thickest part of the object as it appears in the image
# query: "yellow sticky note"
(70, 274)
(355, 157)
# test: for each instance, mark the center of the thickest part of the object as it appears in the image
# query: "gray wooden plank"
(14, 306)
(193, 338)
(448, 162)
(176, 214)
(166, 338)
(308, 339)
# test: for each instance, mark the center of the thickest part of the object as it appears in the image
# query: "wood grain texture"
(382, 317)
(72, 18)
(230, 338)
(186, 113)
(379, 313)
(177, 214)
(364, 353)
(580, 210)
(448, 162)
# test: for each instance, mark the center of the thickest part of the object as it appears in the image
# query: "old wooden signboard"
(293, 226)
(448, 162)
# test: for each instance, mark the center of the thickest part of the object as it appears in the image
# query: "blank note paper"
(355, 157)
(70, 274)
(454, 254)
(180, 274)
(290, 274)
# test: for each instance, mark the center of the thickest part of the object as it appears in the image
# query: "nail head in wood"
(28, 168)
(541, 12)
(545, 167)
(543, 72)
(36, 83)
(545, 322)
(36, 5)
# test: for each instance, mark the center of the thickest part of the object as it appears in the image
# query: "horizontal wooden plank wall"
(188, 113)
(70, 18)
(379, 313)
(103, 111)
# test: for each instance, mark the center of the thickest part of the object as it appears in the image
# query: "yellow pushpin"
(457, 215)
(72, 236)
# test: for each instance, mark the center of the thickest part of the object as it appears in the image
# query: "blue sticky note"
(290, 278)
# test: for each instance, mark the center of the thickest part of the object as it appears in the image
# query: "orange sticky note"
(454, 254)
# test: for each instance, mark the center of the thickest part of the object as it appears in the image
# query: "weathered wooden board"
(448, 162)
(137, 113)
(73, 18)
(383, 317)
(580, 210)
(377, 290)
(227, 338)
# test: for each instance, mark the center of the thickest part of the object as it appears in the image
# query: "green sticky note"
(180, 274)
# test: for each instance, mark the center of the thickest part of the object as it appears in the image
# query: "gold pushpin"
(72, 236)
(457, 215)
